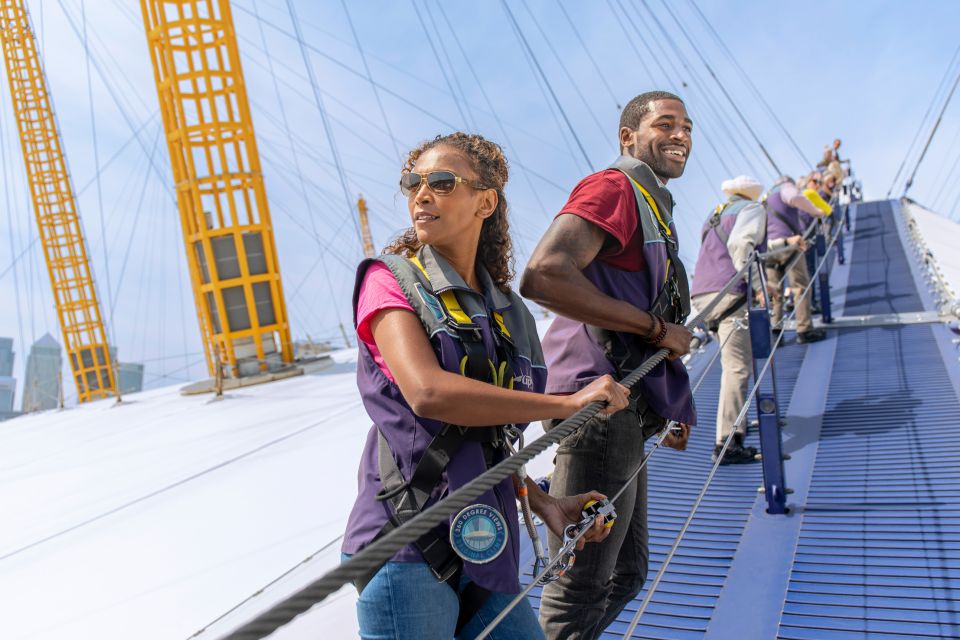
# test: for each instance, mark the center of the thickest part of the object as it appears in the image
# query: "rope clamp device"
(603, 508)
(571, 535)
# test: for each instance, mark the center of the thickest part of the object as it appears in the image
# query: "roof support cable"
(604, 133)
(366, 68)
(318, 102)
(96, 167)
(949, 179)
(933, 132)
(381, 550)
(669, 78)
(307, 201)
(750, 83)
(13, 247)
(467, 122)
(133, 226)
(514, 151)
(725, 93)
(916, 136)
(593, 61)
(778, 341)
(712, 102)
(546, 81)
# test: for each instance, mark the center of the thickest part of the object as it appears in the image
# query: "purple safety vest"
(575, 358)
(409, 435)
(787, 223)
(714, 265)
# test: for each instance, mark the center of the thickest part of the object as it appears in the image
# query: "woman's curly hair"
(495, 250)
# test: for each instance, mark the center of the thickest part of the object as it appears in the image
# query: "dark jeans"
(608, 575)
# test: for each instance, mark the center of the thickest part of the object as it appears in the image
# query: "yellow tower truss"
(219, 183)
(368, 249)
(55, 207)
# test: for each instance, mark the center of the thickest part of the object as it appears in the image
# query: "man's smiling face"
(663, 139)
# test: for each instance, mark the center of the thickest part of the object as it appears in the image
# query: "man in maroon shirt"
(608, 267)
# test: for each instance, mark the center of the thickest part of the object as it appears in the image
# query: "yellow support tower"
(55, 208)
(368, 249)
(219, 183)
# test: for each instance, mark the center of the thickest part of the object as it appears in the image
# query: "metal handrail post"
(824, 277)
(768, 413)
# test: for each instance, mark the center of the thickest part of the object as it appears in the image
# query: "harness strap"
(673, 299)
(732, 310)
(715, 226)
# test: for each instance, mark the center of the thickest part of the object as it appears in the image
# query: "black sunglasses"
(441, 183)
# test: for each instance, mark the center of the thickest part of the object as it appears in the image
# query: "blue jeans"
(404, 601)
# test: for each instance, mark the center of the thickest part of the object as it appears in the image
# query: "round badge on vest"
(478, 534)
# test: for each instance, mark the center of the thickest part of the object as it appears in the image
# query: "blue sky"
(864, 72)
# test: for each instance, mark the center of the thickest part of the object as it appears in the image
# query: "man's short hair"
(637, 108)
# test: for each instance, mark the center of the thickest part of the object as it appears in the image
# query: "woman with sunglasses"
(446, 351)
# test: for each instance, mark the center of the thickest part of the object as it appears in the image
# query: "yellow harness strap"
(653, 206)
(452, 305)
(656, 212)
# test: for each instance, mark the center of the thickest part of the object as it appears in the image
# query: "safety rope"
(740, 419)
(380, 551)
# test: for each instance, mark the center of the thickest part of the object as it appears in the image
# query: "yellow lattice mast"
(55, 208)
(219, 183)
(368, 249)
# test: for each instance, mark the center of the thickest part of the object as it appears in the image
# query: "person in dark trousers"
(448, 357)
(608, 266)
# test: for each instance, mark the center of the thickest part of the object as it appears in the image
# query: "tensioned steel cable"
(723, 89)
(373, 85)
(543, 75)
(710, 103)
(593, 61)
(916, 136)
(933, 132)
(740, 418)
(726, 123)
(328, 130)
(380, 551)
(569, 544)
(749, 82)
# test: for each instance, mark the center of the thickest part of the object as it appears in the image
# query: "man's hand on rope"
(557, 513)
(773, 293)
(677, 437)
(677, 340)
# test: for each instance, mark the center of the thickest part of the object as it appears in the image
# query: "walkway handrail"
(946, 297)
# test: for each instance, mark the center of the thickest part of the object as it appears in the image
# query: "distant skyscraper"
(129, 374)
(8, 389)
(8, 384)
(131, 377)
(6, 356)
(41, 384)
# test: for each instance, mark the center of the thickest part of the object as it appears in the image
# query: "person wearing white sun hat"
(733, 230)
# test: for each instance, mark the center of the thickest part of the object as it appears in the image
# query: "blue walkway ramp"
(871, 548)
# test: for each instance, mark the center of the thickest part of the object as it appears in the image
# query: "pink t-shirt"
(378, 291)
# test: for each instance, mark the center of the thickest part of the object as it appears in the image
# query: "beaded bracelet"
(662, 333)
